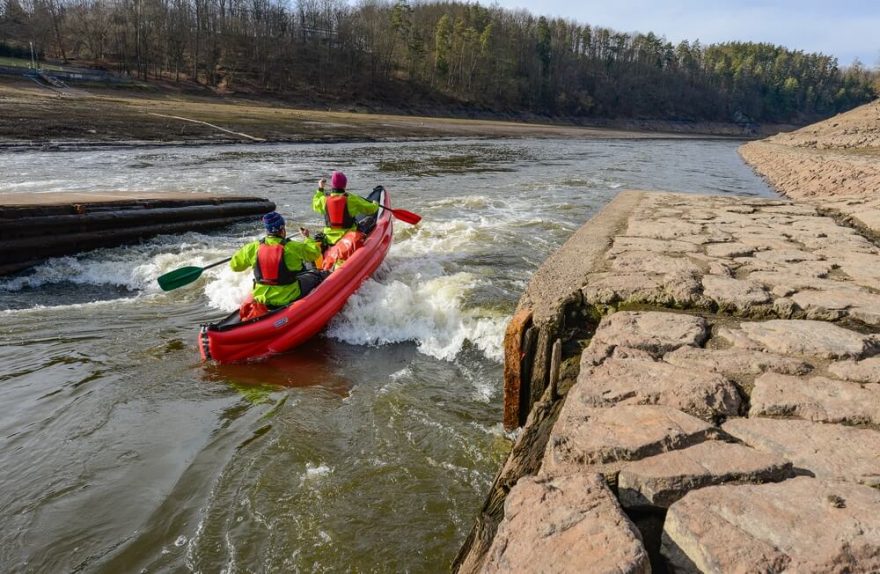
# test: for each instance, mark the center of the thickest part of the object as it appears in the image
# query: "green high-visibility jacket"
(295, 253)
(356, 205)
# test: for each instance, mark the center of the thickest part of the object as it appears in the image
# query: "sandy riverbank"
(34, 116)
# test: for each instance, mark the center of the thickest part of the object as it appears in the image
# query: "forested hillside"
(445, 53)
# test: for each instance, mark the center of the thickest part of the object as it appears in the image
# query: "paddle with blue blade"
(184, 276)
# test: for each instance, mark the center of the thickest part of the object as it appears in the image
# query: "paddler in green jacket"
(280, 275)
(339, 208)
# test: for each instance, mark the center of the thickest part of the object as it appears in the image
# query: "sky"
(846, 29)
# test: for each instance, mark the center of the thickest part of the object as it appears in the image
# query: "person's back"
(280, 274)
(339, 208)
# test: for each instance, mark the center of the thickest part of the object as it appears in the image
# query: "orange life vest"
(336, 212)
(270, 268)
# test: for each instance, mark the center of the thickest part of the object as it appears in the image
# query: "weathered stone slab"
(654, 332)
(798, 209)
(829, 451)
(729, 250)
(811, 338)
(800, 525)
(798, 282)
(787, 256)
(865, 371)
(863, 268)
(593, 437)
(764, 240)
(650, 262)
(728, 292)
(703, 394)
(662, 479)
(564, 525)
(803, 268)
(816, 399)
(733, 362)
(669, 289)
(833, 304)
(663, 229)
(625, 244)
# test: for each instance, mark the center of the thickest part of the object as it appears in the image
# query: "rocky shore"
(834, 165)
(698, 381)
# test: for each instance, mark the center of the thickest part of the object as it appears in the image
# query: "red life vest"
(270, 268)
(336, 212)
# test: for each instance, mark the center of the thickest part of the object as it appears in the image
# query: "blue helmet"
(273, 221)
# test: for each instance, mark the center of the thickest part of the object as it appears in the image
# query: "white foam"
(134, 267)
(425, 310)
(226, 289)
(79, 272)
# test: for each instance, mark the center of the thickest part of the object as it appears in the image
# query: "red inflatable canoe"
(231, 340)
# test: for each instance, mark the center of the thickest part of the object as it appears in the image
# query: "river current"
(368, 449)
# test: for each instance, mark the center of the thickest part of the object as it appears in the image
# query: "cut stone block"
(650, 262)
(828, 451)
(654, 332)
(816, 399)
(672, 288)
(624, 244)
(599, 438)
(800, 525)
(660, 480)
(731, 362)
(728, 292)
(565, 524)
(729, 250)
(863, 268)
(865, 371)
(810, 338)
(663, 229)
(787, 256)
(833, 304)
(703, 394)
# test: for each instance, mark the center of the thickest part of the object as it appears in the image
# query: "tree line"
(446, 53)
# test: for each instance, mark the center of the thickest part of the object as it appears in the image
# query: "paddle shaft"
(216, 264)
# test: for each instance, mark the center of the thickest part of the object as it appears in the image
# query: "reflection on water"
(368, 449)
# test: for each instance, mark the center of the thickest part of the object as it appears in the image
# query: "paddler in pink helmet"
(339, 208)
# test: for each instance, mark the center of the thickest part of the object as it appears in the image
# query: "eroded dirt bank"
(702, 385)
(96, 115)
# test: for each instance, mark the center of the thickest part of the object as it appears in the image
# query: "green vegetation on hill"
(442, 55)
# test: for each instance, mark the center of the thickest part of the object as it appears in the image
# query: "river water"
(368, 449)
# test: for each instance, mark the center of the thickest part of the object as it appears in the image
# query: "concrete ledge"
(34, 227)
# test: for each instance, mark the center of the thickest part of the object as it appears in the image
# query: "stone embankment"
(36, 226)
(698, 381)
(834, 164)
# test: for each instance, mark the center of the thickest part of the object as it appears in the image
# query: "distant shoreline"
(104, 118)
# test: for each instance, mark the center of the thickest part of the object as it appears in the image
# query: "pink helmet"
(338, 180)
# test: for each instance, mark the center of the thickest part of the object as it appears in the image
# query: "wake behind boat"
(282, 329)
